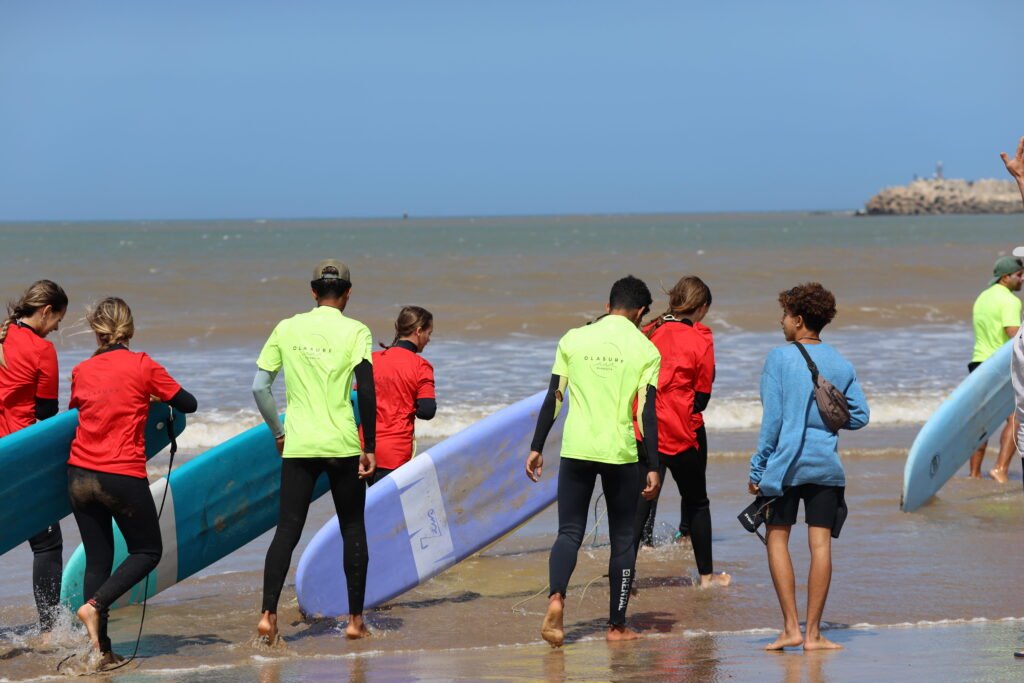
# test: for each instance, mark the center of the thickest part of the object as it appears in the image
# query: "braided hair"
(40, 294)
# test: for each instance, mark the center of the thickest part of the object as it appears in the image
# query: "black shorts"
(972, 366)
(822, 506)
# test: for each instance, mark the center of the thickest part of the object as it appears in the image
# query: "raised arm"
(1015, 166)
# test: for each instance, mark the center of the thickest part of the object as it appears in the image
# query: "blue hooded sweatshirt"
(795, 447)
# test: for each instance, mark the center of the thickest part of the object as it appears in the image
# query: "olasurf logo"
(605, 360)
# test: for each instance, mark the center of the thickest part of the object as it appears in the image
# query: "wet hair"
(629, 293)
(685, 299)
(812, 301)
(40, 294)
(112, 321)
(410, 319)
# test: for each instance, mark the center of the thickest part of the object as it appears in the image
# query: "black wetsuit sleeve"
(366, 396)
(547, 415)
(700, 401)
(46, 408)
(650, 422)
(184, 401)
(426, 408)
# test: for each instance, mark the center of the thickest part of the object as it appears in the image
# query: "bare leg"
(976, 459)
(781, 566)
(1007, 449)
(90, 616)
(819, 539)
(267, 627)
(553, 630)
(356, 628)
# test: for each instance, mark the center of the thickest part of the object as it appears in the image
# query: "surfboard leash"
(159, 514)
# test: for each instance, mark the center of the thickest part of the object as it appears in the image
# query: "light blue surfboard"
(975, 411)
(436, 510)
(33, 461)
(216, 503)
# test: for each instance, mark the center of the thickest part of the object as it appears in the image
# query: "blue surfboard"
(216, 503)
(436, 510)
(975, 411)
(34, 486)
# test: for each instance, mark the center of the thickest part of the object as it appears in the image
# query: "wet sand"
(935, 590)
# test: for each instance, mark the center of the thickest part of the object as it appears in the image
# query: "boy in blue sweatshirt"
(797, 457)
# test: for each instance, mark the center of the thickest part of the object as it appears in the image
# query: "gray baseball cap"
(332, 269)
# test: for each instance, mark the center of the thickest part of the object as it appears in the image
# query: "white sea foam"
(206, 429)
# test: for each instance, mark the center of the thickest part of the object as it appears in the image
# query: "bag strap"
(810, 363)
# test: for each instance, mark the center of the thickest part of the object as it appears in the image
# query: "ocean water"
(207, 293)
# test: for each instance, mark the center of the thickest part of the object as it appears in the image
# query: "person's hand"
(650, 491)
(279, 442)
(534, 465)
(1015, 166)
(753, 488)
(367, 465)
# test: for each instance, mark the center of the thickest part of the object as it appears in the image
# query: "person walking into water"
(996, 315)
(107, 467)
(797, 456)
(404, 384)
(607, 366)
(320, 352)
(684, 389)
(28, 393)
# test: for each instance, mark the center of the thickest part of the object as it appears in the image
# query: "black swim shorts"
(822, 505)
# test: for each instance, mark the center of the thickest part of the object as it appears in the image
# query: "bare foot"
(715, 580)
(998, 475)
(552, 630)
(108, 659)
(620, 633)
(89, 616)
(820, 643)
(356, 628)
(786, 640)
(267, 630)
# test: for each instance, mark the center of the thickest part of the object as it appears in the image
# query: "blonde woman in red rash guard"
(405, 389)
(107, 468)
(28, 392)
(684, 389)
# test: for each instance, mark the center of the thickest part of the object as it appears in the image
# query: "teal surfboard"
(216, 503)
(975, 411)
(34, 485)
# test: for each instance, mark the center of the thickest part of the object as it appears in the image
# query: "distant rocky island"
(941, 195)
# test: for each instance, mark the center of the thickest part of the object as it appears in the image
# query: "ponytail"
(40, 294)
(410, 319)
(111, 320)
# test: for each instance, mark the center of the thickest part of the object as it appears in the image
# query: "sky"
(179, 110)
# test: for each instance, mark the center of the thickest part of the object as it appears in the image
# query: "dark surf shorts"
(824, 506)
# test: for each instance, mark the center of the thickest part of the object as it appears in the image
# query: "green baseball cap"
(1005, 265)
(332, 269)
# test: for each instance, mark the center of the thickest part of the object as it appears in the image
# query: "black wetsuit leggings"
(576, 479)
(689, 470)
(96, 498)
(298, 477)
(47, 566)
